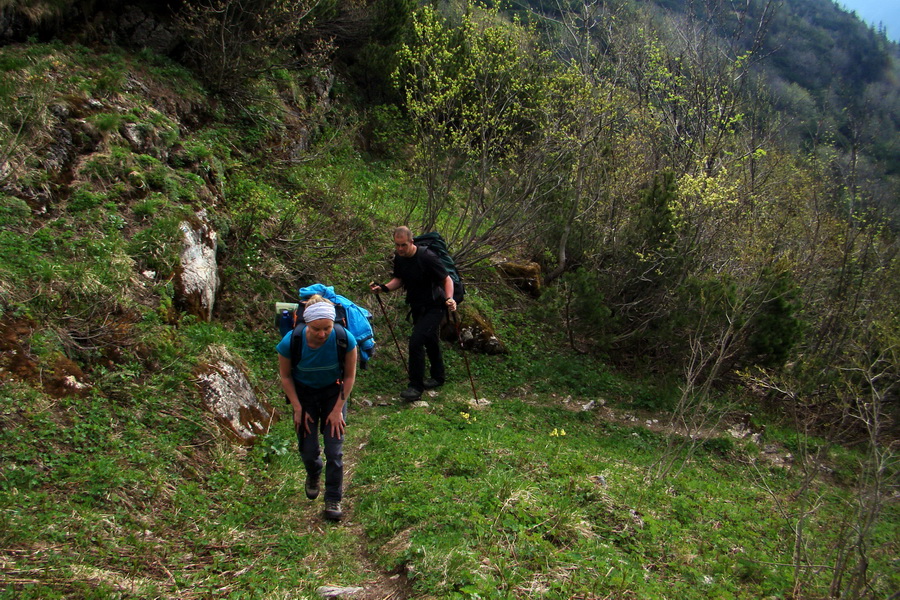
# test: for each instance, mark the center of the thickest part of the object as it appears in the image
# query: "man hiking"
(429, 293)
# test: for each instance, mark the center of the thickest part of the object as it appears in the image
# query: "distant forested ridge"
(830, 80)
(836, 80)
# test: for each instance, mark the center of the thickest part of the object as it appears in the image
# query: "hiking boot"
(410, 394)
(430, 384)
(312, 487)
(333, 510)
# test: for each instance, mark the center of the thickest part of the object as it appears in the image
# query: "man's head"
(403, 242)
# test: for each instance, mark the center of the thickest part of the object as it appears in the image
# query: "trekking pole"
(391, 328)
(465, 356)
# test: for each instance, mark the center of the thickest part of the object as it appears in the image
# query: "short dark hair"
(403, 231)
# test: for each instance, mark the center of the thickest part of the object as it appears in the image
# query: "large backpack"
(435, 243)
(355, 319)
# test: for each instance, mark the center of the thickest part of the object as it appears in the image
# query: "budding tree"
(478, 96)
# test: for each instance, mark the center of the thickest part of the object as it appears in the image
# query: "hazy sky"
(877, 11)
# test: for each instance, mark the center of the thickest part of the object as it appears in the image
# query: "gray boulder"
(227, 393)
(197, 278)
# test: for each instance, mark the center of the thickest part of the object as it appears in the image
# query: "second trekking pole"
(391, 328)
(465, 356)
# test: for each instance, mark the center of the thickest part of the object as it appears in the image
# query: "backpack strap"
(297, 345)
(437, 291)
(342, 344)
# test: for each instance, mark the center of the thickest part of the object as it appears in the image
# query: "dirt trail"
(378, 584)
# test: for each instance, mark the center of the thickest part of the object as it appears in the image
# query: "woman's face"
(319, 330)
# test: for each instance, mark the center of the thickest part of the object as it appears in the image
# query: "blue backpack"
(348, 315)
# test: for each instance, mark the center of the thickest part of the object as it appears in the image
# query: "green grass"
(495, 502)
(129, 489)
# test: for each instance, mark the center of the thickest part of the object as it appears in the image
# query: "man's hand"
(451, 304)
(378, 288)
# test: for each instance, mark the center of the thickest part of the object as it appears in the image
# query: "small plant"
(721, 446)
(149, 206)
(156, 247)
(108, 122)
(83, 199)
(271, 447)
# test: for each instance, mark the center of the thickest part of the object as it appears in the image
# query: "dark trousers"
(319, 403)
(425, 338)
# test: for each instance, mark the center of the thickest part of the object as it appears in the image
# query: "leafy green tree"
(373, 65)
(643, 269)
(775, 328)
(588, 121)
(477, 93)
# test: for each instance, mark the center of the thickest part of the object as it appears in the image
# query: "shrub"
(775, 327)
(578, 299)
(253, 39)
(390, 131)
(83, 199)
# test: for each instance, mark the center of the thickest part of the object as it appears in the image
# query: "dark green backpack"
(436, 244)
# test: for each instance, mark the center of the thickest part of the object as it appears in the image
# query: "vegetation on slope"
(687, 274)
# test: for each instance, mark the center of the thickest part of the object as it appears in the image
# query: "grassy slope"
(127, 489)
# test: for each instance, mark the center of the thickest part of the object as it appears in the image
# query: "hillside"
(700, 402)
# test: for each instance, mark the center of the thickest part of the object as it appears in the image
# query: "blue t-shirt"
(318, 367)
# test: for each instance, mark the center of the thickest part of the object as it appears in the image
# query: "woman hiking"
(317, 388)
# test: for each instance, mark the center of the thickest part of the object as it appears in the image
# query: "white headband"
(319, 310)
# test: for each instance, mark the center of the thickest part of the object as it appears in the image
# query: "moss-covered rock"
(473, 330)
(524, 276)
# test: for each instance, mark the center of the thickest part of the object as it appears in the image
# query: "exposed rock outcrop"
(14, 26)
(227, 393)
(333, 591)
(197, 278)
(138, 29)
(61, 152)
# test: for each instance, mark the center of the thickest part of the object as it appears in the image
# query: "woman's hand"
(304, 419)
(335, 423)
